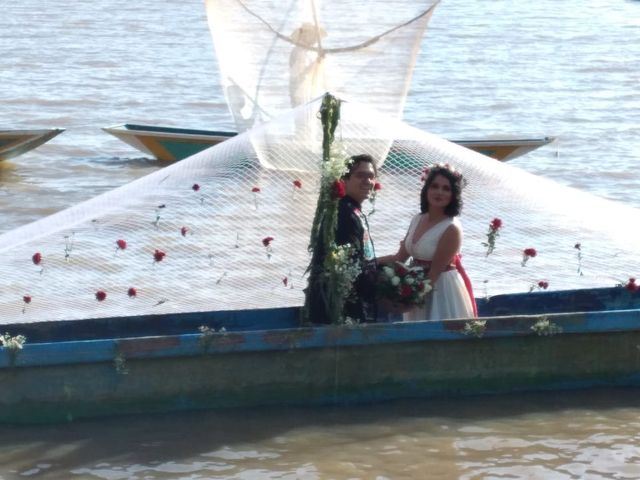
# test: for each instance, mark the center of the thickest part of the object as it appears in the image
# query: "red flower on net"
(122, 244)
(36, 258)
(339, 189)
(101, 295)
(527, 254)
(285, 281)
(405, 291)
(255, 189)
(297, 184)
(183, 231)
(631, 285)
(26, 299)
(132, 292)
(495, 225)
(543, 284)
(195, 187)
(377, 187)
(158, 255)
(266, 241)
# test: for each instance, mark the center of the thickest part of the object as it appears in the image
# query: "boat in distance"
(543, 340)
(169, 144)
(17, 142)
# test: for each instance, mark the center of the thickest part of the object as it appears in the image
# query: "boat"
(169, 144)
(505, 149)
(17, 142)
(542, 340)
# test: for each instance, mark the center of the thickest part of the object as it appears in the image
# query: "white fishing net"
(275, 55)
(213, 213)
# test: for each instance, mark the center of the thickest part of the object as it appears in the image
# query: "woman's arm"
(448, 246)
(400, 256)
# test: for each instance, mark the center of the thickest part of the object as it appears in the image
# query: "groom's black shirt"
(352, 228)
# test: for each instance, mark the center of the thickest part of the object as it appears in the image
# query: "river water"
(487, 68)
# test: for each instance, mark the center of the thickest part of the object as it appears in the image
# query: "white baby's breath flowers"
(12, 343)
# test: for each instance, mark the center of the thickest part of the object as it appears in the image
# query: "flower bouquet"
(401, 288)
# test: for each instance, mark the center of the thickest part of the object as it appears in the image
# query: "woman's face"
(439, 192)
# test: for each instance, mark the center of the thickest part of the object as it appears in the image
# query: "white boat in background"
(17, 142)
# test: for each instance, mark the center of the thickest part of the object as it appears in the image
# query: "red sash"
(457, 264)
(467, 282)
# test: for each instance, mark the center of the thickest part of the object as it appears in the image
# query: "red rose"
(158, 255)
(530, 252)
(339, 189)
(266, 241)
(26, 299)
(631, 286)
(400, 270)
(122, 244)
(297, 184)
(195, 187)
(101, 295)
(36, 258)
(405, 291)
(495, 224)
(184, 231)
(132, 292)
(377, 187)
(543, 284)
(255, 189)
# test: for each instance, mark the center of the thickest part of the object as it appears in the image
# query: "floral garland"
(340, 266)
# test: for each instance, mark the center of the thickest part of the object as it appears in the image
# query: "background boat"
(169, 144)
(17, 142)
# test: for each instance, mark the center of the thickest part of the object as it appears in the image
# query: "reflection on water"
(564, 435)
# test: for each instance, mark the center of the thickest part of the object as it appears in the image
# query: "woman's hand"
(400, 256)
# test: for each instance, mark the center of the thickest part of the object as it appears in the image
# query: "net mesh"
(275, 55)
(212, 216)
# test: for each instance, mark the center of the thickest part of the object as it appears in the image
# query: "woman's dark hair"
(353, 161)
(455, 205)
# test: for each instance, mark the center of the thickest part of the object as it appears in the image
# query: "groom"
(352, 228)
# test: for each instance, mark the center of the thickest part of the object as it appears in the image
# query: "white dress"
(449, 297)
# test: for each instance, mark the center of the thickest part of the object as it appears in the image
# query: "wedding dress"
(449, 297)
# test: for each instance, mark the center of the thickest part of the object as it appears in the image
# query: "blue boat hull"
(91, 368)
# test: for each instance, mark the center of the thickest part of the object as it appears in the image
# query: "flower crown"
(457, 174)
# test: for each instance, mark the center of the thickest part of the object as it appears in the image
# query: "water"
(499, 68)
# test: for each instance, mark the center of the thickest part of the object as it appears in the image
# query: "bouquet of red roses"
(401, 288)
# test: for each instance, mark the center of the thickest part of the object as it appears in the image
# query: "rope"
(351, 48)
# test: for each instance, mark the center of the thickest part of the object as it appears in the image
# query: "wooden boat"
(535, 341)
(505, 150)
(165, 143)
(171, 144)
(17, 142)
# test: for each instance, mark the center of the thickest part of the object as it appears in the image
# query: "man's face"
(360, 183)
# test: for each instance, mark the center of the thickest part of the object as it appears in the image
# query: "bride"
(433, 240)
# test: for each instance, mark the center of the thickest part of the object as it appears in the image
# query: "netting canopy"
(277, 54)
(228, 229)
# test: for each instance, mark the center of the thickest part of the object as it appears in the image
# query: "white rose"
(409, 280)
(388, 271)
(395, 281)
